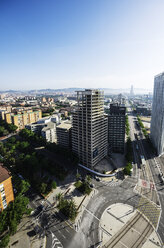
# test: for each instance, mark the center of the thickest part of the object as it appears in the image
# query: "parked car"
(92, 185)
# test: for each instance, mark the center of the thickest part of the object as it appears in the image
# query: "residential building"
(6, 189)
(49, 132)
(63, 132)
(35, 127)
(157, 120)
(89, 131)
(21, 119)
(116, 128)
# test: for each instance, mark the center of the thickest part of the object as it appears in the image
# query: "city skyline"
(89, 44)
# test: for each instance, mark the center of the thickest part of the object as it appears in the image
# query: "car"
(97, 179)
(37, 229)
(92, 185)
(40, 207)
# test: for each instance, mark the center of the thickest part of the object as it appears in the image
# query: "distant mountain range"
(72, 90)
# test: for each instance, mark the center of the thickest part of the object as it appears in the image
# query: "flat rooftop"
(65, 125)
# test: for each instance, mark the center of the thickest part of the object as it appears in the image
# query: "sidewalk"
(25, 238)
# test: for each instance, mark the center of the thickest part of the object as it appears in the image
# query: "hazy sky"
(80, 43)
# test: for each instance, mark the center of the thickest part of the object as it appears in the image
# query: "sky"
(80, 43)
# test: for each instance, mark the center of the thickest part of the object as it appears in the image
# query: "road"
(61, 234)
(157, 195)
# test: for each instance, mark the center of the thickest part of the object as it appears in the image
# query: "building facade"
(23, 118)
(48, 132)
(6, 188)
(116, 128)
(157, 120)
(63, 132)
(89, 131)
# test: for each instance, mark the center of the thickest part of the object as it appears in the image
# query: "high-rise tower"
(131, 91)
(157, 120)
(89, 131)
(116, 128)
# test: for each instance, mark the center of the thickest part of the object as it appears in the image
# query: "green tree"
(59, 196)
(12, 140)
(68, 208)
(13, 226)
(23, 186)
(88, 178)
(54, 185)
(43, 188)
(12, 128)
(78, 176)
(5, 241)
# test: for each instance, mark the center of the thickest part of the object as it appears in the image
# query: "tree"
(59, 196)
(77, 176)
(3, 131)
(13, 226)
(4, 241)
(12, 140)
(23, 186)
(68, 208)
(72, 210)
(43, 188)
(54, 185)
(24, 145)
(12, 128)
(88, 178)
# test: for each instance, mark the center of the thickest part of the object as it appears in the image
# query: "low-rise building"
(6, 188)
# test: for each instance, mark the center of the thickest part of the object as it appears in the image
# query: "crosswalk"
(112, 183)
(55, 242)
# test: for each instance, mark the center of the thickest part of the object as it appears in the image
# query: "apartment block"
(6, 188)
(63, 132)
(116, 128)
(49, 132)
(89, 131)
(157, 119)
(23, 118)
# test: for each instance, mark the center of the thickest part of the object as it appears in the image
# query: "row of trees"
(127, 127)
(142, 127)
(129, 150)
(6, 128)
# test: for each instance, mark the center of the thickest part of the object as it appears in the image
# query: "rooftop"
(4, 173)
(49, 125)
(65, 125)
